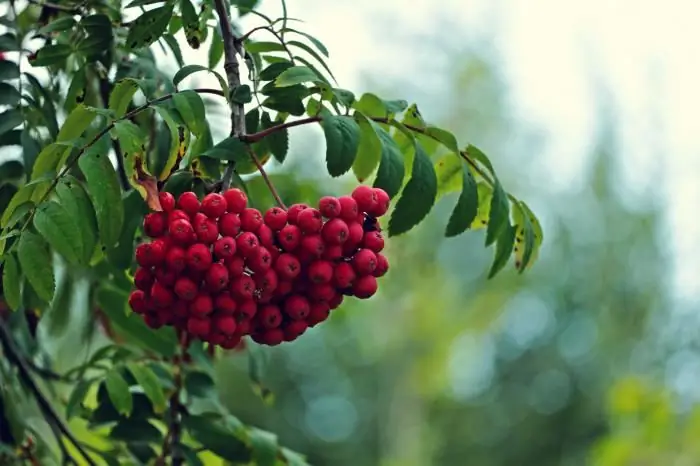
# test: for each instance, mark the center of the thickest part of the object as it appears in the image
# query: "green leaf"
(11, 282)
(9, 95)
(179, 139)
(274, 70)
(35, 260)
(342, 139)
(77, 396)
(9, 43)
(61, 24)
(148, 27)
(528, 237)
(261, 47)
(121, 96)
(76, 202)
(76, 123)
(217, 438)
(52, 55)
(446, 138)
(175, 48)
(278, 141)
(499, 213)
(47, 162)
(187, 70)
(391, 169)
(59, 229)
(344, 96)
(313, 53)
(77, 90)
(449, 172)
(417, 197)
(230, 148)
(296, 75)
(122, 255)
(136, 432)
(265, 447)
(118, 391)
(317, 43)
(191, 108)
(10, 119)
(371, 106)
(504, 248)
(13, 212)
(242, 95)
(369, 150)
(478, 155)
(151, 386)
(216, 49)
(466, 209)
(105, 194)
(142, 3)
(8, 70)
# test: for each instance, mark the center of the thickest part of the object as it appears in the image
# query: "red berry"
(236, 200)
(207, 231)
(246, 311)
(153, 321)
(269, 316)
(216, 277)
(175, 259)
(243, 326)
(365, 197)
(272, 337)
(143, 279)
(199, 257)
(225, 248)
(247, 243)
(198, 327)
(198, 218)
(202, 305)
(265, 297)
(149, 254)
(167, 201)
(348, 208)
(266, 281)
(181, 231)
(186, 289)
(138, 302)
(166, 276)
(180, 310)
(364, 287)
(364, 262)
(318, 312)
(177, 214)
(225, 324)
(294, 330)
(343, 275)
(313, 246)
(310, 221)
(231, 342)
(320, 271)
(289, 237)
(236, 267)
(275, 218)
(225, 304)
(287, 266)
(335, 231)
(229, 225)
(382, 266)
(243, 287)
(266, 237)
(321, 292)
(293, 212)
(213, 205)
(251, 219)
(296, 307)
(329, 206)
(336, 301)
(332, 252)
(260, 260)
(373, 240)
(188, 202)
(355, 233)
(161, 295)
(155, 224)
(284, 287)
(382, 205)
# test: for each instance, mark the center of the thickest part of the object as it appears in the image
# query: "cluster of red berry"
(220, 270)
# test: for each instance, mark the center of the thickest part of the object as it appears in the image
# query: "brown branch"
(268, 182)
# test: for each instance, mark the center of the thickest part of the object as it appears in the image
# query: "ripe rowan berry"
(382, 205)
(320, 271)
(214, 338)
(348, 208)
(269, 316)
(231, 342)
(332, 252)
(230, 225)
(198, 257)
(296, 307)
(289, 237)
(294, 330)
(180, 310)
(260, 260)
(225, 304)
(272, 337)
(318, 312)
(225, 324)
(266, 281)
(310, 221)
(153, 321)
(198, 326)
(364, 262)
(225, 248)
(202, 305)
(364, 287)
(284, 287)
(266, 237)
(213, 205)
(167, 201)
(175, 259)
(236, 267)
(293, 212)
(335, 231)
(329, 206)
(216, 277)
(382, 266)
(186, 289)
(181, 231)
(275, 218)
(246, 310)
(145, 256)
(143, 279)
(355, 233)
(155, 224)
(137, 302)
(207, 231)
(287, 266)
(188, 202)
(243, 287)
(197, 218)
(373, 240)
(236, 200)
(251, 219)
(161, 295)
(166, 276)
(343, 275)
(336, 301)
(365, 197)
(321, 292)
(313, 246)
(247, 243)
(177, 214)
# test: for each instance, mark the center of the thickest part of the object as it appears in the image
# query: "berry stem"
(263, 173)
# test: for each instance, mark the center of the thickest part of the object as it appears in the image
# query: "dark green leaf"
(9, 95)
(76, 123)
(261, 47)
(77, 396)
(10, 119)
(286, 104)
(252, 121)
(30, 150)
(61, 24)
(11, 283)
(8, 70)
(216, 438)
(499, 213)
(265, 447)
(229, 149)
(119, 393)
(395, 106)
(216, 49)
(278, 141)
(11, 170)
(175, 48)
(391, 169)
(475, 153)
(345, 97)
(504, 248)
(342, 139)
(179, 182)
(191, 108)
(466, 209)
(59, 229)
(105, 193)
(52, 55)
(528, 236)
(77, 90)
(445, 137)
(121, 96)
(151, 386)
(418, 195)
(35, 260)
(242, 94)
(77, 203)
(179, 140)
(189, 15)
(47, 162)
(142, 3)
(296, 75)
(136, 431)
(186, 71)
(317, 43)
(9, 43)
(148, 27)
(19, 205)
(274, 70)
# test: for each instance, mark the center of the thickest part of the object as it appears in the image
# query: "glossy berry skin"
(287, 266)
(365, 197)
(186, 289)
(247, 243)
(181, 231)
(343, 275)
(329, 206)
(247, 309)
(373, 240)
(229, 224)
(207, 231)
(382, 266)
(236, 267)
(313, 246)
(318, 312)
(365, 287)
(188, 202)
(155, 224)
(137, 302)
(275, 218)
(166, 276)
(294, 330)
(266, 281)
(364, 262)
(224, 324)
(355, 233)
(217, 278)
(236, 200)
(310, 221)
(199, 257)
(143, 279)
(167, 201)
(293, 212)
(272, 337)
(175, 259)
(322, 292)
(177, 214)
(225, 304)
(289, 237)
(348, 208)
(202, 305)
(213, 205)
(198, 326)
(225, 248)
(161, 295)
(145, 256)
(260, 260)
(332, 252)
(335, 231)
(297, 307)
(320, 271)
(269, 316)
(243, 287)
(266, 237)
(251, 219)
(382, 205)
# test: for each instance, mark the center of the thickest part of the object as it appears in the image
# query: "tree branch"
(269, 184)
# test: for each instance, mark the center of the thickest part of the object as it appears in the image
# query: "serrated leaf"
(118, 391)
(498, 214)
(148, 27)
(151, 386)
(504, 248)
(190, 106)
(77, 122)
(51, 55)
(296, 75)
(59, 229)
(317, 43)
(278, 141)
(252, 121)
(35, 260)
(443, 136)
(229, 149)
(21, 197)
(524, 237)
(417, 197)
(76, 201)
(475, 153)
(449, 173)
(8, 70)
(11, 282)
(121, 256)
(391, 168)
(10, 119)
(174, 48)
(121, 96)
(342, 139)
(105, 194)
(274, 70)
(77, 396)
(216, 438)
(9, 95)
(369, 150)
(59, 25)
(313, 53)
(467, 206)
(47, 161)
(185, 71)
(179, 140)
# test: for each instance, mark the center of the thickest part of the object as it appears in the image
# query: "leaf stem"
(263, 173)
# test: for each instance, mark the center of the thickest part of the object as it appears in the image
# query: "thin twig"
(56, 6)
(277, 35)
(269, 184)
